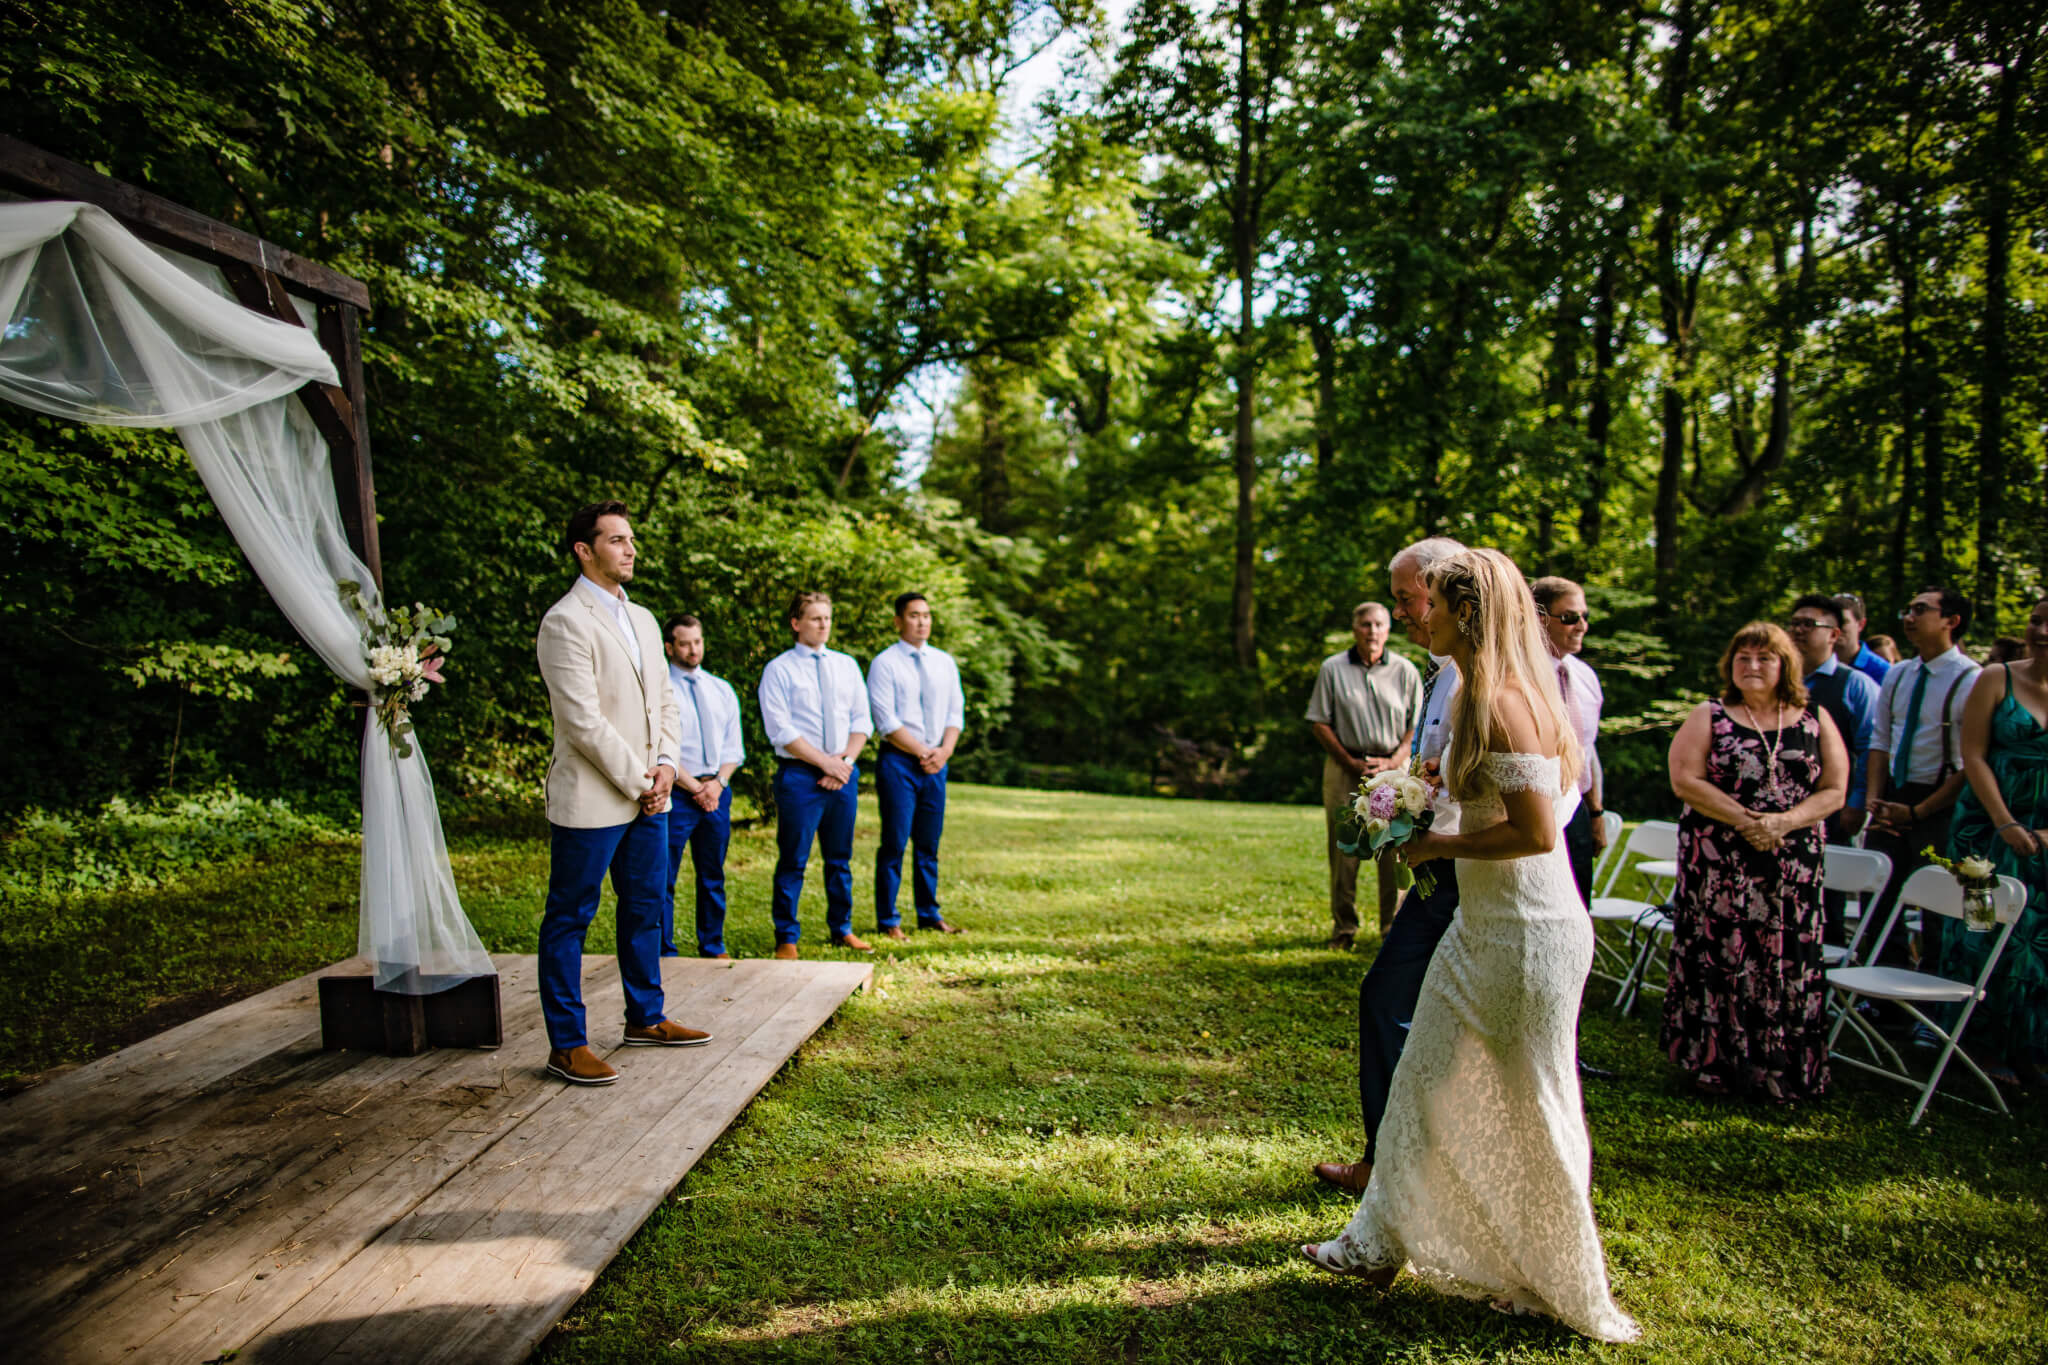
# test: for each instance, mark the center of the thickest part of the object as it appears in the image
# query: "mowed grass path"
(1082, 1131)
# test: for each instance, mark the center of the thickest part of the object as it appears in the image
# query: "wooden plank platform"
(229, 1186)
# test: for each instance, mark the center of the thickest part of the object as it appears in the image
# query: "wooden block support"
(355, 1014)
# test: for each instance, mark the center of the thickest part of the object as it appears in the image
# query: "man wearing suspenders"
(1915, 768)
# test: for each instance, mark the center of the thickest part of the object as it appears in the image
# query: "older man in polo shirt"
(1363, 712)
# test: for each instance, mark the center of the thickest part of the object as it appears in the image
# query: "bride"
(1483, 1171)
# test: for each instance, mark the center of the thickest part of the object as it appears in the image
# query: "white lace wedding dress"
(1483, 1170)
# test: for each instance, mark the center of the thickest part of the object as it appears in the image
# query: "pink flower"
(1381, 801)
(430, 668)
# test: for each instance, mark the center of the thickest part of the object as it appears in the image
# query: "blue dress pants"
(1387, 996)
(705, 835)
(913, 804)
(803, 811)
(637, 856)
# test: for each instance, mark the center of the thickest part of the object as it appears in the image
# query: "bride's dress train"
(1483, 1170)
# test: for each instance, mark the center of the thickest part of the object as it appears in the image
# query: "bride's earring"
(1465, 625)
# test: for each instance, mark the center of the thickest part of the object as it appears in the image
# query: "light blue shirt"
(791, 707)
(699, 754)
(896, 701)
(1938, 736)
(1859, 694)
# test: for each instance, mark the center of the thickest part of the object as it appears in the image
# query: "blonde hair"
(1486, 595)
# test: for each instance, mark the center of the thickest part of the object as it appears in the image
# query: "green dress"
(2014, 1014)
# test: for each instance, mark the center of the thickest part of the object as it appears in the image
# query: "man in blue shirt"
(1850, 648)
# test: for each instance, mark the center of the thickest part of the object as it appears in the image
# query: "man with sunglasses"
(1915, 769)
(1561, 607)
(1850, 649)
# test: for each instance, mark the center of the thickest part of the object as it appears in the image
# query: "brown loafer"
(719, 957)
(667, 1033)
(1351, 1179)
(787, 952)
(897, 933)
(853, 943)
(580, 1066)
(939, 926)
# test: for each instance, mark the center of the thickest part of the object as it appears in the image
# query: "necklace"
(1777, 737)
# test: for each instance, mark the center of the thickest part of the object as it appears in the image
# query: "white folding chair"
(1627, 964)
(1934, 892)
(1610, 847)
(1856, 872)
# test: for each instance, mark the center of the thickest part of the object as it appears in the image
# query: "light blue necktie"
(824, 703)
(704, 741)
(1902, 761)
(924, 701)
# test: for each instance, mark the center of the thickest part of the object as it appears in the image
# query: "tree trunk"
(1324, 340)
(993, 472)
(1244, 253)
(1599, 410)
(1994, 379)
(1676, 317)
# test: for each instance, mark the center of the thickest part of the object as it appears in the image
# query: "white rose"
(387, 665)
(1977, 869)
(1362, 801)
(1382, 778)
(1414, 795)
(1376, 828)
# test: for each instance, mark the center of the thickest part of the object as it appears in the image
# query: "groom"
(1387, 996)
(608, 794)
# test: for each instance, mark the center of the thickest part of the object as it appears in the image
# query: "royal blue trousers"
(636, 854)
(704, 835)
(804, 811)
(913, 804)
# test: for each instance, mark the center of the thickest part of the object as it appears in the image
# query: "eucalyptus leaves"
(405, 649)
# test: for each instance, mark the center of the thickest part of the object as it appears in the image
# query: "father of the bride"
(608, 794)
(1387, 996)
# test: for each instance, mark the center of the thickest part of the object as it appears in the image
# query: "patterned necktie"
(704, 740)
(924, 701)
(825, 708)
(1564, 683)
(1430, 673)
(1902, 761)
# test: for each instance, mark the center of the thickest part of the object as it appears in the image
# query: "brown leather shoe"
(719, 957)
(939, 926)
(1340, 942)
(897, 933)
(853, 943)
(1350, 1179)
(667, 1033)
(787, 952)
(580, 1066)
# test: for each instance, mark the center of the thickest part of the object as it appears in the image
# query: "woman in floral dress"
(2003, 816)
(1745, 1007)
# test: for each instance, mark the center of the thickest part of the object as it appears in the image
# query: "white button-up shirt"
(1433, 736)
(916, 689)
(1582, 702)
(791, 708)
(615, 606)
(1924, 759)
(703, 754)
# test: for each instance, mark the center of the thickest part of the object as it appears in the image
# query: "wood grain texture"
(230, 1186)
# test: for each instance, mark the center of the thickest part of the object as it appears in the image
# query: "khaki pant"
(1338, 788)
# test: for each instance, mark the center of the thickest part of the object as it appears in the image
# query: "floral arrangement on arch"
(405, 649)
(1393, 807)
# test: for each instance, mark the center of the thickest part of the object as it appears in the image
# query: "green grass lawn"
(1082, 1131)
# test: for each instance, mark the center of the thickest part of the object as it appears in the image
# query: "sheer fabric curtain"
(103, 328)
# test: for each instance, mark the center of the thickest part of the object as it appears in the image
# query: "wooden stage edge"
(228, 1186)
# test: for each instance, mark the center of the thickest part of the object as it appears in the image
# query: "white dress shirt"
(615, 605)
(1895, 699)
(1582, 702)
(1433, 736)
(792, 709)
(702, 754)
(916, 689)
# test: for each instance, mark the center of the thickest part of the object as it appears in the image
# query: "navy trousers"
(704, 835)
(1387, 996)
(804, 811)
(1578, 844)
(636, 854)
(913, 804)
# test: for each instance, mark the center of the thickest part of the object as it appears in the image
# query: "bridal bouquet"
(405, 649)
(1978, 877)
(1392, 808)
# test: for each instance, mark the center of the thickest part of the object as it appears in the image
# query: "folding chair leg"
(1951, 1049)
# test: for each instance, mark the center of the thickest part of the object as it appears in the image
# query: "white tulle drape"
(103, 328)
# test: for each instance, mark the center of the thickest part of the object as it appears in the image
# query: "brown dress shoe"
(896, 932)
(1350, 1179)
(667, 1033)
(580, 1066)
(853, 943)
(939, 926)
(719, 957)
(787, 952)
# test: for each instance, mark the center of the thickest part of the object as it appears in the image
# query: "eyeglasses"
(1566, 618)
(1800, 625)
(1913, 609)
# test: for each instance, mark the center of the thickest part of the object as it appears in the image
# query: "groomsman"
(709, 750)
(1561, 608)
(608, 791)
(914, 693)
(1387, 996)
(815, 708)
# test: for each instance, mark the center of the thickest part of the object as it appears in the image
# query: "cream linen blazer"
(614, 715)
